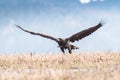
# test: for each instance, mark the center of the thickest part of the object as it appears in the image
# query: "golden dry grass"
(78, 66)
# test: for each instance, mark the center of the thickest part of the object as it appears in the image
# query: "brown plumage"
(65, 43)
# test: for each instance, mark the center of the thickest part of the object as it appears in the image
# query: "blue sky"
(59, 18)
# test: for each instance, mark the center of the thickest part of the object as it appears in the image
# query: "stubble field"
(76, 66)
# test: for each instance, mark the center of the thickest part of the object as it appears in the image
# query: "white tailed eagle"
(65, 43)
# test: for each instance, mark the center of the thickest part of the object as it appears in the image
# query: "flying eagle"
(66, 43)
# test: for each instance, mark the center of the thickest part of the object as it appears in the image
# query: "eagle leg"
(69, 50)
(62, 49)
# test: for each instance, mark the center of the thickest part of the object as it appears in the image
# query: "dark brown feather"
(78, 36)
(39, 34)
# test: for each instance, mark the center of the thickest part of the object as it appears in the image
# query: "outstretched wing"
(39, 34)
(78, 36)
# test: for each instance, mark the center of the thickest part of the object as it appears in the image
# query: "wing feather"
(78, 36)
(39, 34)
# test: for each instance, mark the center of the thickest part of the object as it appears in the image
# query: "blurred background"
(59, 18)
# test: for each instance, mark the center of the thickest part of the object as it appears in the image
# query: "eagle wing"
(78, 36)
(39, 34)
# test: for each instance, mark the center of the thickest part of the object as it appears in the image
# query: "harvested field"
(77, 66)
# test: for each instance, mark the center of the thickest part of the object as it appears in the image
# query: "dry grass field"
(77, 66)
